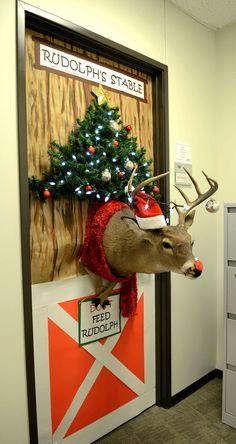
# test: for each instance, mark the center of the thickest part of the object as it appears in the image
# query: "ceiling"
(214, 14)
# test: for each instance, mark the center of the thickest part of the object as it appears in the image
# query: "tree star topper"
(102, 96)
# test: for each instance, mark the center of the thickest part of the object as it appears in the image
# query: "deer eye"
(167, 245)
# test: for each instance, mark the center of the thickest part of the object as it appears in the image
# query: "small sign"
(97, 322)
(183, 153)
(183, 161)
(181, 177)
(70, 63)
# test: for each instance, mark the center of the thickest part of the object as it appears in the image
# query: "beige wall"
(156, 29)
(190, 56)
(13, 404)
(226, 152)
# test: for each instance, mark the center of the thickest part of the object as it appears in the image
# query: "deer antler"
(201, 196)
(142, 184)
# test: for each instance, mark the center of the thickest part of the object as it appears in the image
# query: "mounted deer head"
(130, 249)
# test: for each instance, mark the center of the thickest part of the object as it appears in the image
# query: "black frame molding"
(42, 21)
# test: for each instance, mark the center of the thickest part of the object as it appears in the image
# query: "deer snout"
(193, 269)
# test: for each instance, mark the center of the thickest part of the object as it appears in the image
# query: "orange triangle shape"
(69, 365)
(107, 394)
(130, 347)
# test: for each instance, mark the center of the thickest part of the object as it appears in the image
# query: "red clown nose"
(198, 265)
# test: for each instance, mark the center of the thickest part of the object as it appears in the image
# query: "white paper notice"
(183, 161)
(183, 153)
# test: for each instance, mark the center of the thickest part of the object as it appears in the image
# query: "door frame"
(39, 20)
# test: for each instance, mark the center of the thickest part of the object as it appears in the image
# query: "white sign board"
(70, 63)
(183, 153)
(97, 322)
(183, 161)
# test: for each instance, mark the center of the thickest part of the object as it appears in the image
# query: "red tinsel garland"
(93, 254)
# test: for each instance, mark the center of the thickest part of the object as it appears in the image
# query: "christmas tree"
(97, 161)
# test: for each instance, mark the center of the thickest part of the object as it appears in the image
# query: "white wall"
(226, 152)
(13, 407)
(156, 29)
(190, 55)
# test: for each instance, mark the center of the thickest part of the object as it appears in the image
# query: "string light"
(78, 190)
(130, 199)
(52, 183)
(69, 173)
(73, 157)
(63, 163)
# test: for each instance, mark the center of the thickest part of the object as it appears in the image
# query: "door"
(82, 392)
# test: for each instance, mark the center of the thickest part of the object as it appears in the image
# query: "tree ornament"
(129, 166)
(128, 128)
(91, 149)
(88, 188)
(115, 143)
(106, 175)
(156, 190)
(46, 193)
(212, 206)
(120, 174)
(127, 189)
(114, 125)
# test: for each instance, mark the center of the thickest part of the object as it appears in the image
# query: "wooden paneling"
(53, 104)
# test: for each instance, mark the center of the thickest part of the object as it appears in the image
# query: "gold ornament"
(106, 175)
(102, 96)
(129, 165)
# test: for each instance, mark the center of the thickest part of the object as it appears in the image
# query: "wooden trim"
(24, 207)
(38, 20)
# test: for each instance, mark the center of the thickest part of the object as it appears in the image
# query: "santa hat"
(148, 213)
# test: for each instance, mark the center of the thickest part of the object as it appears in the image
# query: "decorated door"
(84, 387)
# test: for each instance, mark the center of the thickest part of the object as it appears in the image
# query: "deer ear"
(189, 219)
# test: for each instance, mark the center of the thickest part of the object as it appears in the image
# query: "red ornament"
(156, 190)
(198, 265)
(46, 194)
(91, 149)
(128, 128)
(88, 188)
(115, 143)
(120, 174)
